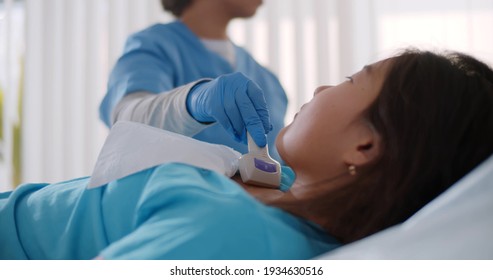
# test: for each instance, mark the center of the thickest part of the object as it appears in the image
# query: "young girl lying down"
(364, 155)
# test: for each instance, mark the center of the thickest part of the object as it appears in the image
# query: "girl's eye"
(350, 79)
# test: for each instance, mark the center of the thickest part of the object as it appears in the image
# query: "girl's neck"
(283, 200)
(265, 195)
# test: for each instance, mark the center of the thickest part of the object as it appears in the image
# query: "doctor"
(188, 77)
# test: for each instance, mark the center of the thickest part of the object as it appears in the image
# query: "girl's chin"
(281, 149)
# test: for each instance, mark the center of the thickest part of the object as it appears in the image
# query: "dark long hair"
(435, 118)
(176, 7)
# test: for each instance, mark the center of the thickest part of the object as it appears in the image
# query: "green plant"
(17, 133)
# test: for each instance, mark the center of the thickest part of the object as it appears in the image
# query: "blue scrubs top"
(171, 211)
(165, 56)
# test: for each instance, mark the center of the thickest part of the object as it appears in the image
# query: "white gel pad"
(258, 168)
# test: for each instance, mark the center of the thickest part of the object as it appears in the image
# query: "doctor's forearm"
(166, 110)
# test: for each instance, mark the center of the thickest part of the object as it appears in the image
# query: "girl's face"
(331, 132)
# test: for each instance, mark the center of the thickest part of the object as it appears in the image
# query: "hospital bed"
(458, 224)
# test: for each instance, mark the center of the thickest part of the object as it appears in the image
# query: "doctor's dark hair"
(434, 115)
(176, 7)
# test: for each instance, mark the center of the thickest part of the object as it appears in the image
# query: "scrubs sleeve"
(144, 66)
(166, 111)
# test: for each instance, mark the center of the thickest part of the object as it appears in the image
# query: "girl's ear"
(364, 148)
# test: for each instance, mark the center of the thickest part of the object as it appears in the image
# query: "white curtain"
(71, 46)
(11, 51)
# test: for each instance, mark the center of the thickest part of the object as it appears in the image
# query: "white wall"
(72, 45)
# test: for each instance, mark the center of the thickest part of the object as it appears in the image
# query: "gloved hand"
(234, 101)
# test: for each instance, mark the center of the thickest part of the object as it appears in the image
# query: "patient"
(364, 155)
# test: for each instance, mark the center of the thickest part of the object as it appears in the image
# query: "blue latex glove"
(234, 101)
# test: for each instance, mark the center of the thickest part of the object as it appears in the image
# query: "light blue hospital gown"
(171, 211)
(165, 56)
